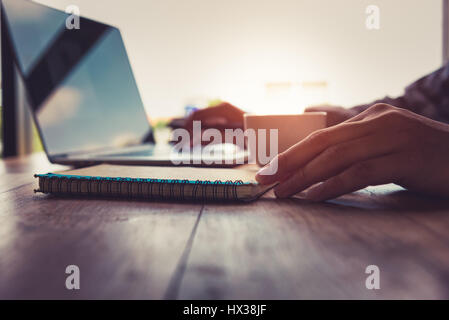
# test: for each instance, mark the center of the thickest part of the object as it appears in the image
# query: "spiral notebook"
(153, 182)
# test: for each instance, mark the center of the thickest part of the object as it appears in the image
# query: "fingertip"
(262, 179)
(263, 176)
(280, 193)
(316, 193)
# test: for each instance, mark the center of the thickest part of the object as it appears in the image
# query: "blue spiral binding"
(73, 183)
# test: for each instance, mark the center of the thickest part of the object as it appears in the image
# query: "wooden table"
(269, 249)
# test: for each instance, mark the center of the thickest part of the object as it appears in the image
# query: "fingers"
(221, 114)
(361, 151)
(379, 118)
(362, 174)
(337, 158)
(202, 115)
(380, 112)
(304, 151)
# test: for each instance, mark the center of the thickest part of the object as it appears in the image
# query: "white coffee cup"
(290, 129)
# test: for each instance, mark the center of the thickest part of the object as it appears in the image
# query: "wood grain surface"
(268, 249)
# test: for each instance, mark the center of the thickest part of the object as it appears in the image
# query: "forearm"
(428, 96)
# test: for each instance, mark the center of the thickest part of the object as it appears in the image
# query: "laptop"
(83, 94)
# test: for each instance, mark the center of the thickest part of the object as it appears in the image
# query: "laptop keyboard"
(140, 153)
(225, 149)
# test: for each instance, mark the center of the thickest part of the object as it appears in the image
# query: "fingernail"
(263, 175)
(263, 172)
(268, 171)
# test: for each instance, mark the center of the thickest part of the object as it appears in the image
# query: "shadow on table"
(380, 198)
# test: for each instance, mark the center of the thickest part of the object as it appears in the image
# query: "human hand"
(222, 116)
(383, 144)
(335, 115)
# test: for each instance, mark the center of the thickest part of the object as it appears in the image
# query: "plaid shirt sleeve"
(428, 96)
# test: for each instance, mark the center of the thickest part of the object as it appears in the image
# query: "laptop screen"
(79, 81)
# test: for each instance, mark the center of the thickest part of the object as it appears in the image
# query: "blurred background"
(187, 51)
(270, 56)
